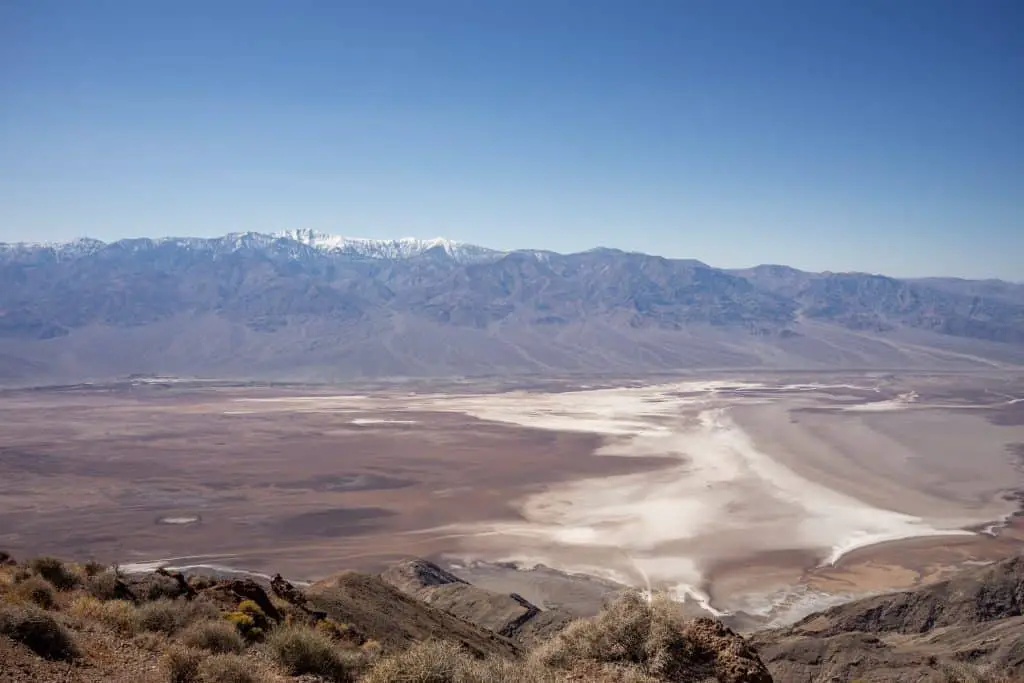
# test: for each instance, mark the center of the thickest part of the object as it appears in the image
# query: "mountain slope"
(301, 305)
(507, 615)
(976, 617)
(395, 620)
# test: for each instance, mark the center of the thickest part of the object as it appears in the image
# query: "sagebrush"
(38, 630)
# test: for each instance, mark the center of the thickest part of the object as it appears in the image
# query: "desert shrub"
(170, 616)
(201, 583)
(341, 632)
(56, 572)
(119, 615)
(106, 585)
(182, 664)
(446, 662)
(157, 587)
(86, 608)
(966, 673)
(153, 642)
(632, 632)
(6, 559)
(249, 620)
(255, 611)
(229, 668)
(93, 568)
(500, 670)
(304, 650)
(200, 610)
(38, 631)
(245, 626)
(429, 661)
(38, 591)
(214, 636)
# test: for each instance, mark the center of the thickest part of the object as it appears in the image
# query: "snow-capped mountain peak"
(401, 248)
(291, 240)
(67, 250)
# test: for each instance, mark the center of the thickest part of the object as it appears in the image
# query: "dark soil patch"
(334, 522)
(349, 482)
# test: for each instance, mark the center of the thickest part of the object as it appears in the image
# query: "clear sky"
(877, 135)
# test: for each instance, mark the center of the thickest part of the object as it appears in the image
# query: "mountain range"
(303, 305)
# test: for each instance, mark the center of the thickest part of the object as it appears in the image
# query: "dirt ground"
(138, 473)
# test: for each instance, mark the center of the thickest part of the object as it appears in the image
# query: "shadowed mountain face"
(302, 306)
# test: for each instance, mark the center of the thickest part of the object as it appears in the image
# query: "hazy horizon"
(846, 136)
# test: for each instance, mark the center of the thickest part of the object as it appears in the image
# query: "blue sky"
(877, 135)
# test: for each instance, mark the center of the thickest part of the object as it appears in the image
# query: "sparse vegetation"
(633, 640)
(56, 572)
(201, 582)
(38, 630)
(333, 629)
(249, 620)
(36, 590)
(432, 661)
(435, 661)
(93, 568)
(161, 587)
(182, 664)
(170, 616)
(304, 650)
(105, 585)
(633, 634)
(964, 673)
(213, 636)
(119, 615)
(229, 668)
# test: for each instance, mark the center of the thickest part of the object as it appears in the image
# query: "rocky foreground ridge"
(417, 622)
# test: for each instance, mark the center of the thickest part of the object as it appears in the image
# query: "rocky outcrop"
(284, 589)
(508, 615)
(994, 592)
(722, 655)
(415, 575)
(396, 620)
(975, 618)
(228, 594)
(159, 584)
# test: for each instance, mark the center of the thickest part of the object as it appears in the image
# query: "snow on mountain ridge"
(385, 249)
(401, 248)
(70, 249)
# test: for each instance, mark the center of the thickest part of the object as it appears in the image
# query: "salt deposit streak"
(724, 500)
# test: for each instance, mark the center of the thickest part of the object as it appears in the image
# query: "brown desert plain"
(761, 497)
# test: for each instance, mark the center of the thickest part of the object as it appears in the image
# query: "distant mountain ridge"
(302, 304)
(401, 248)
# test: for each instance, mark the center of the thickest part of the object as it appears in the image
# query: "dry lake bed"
(760, 497)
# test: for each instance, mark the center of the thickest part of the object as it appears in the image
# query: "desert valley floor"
(762, 497)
